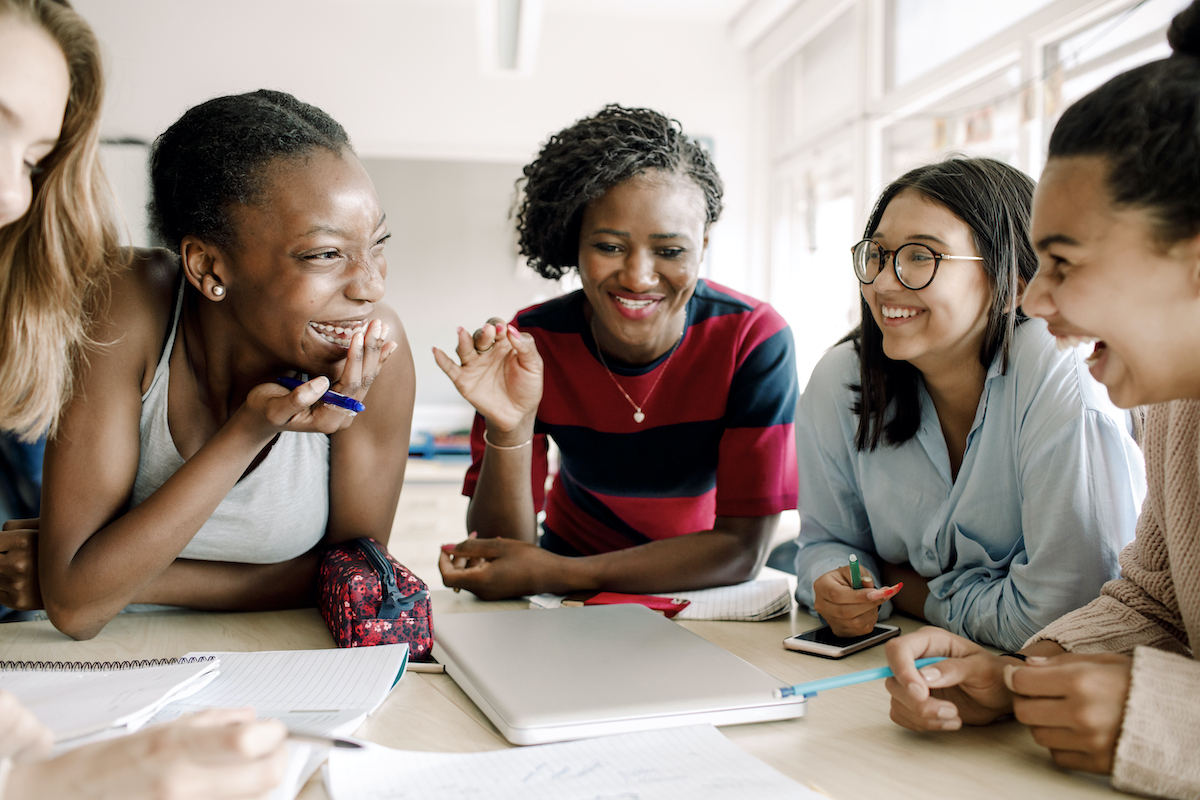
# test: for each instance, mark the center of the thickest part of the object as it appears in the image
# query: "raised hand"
(499, 373)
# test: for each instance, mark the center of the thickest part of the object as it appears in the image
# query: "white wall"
(403, 77)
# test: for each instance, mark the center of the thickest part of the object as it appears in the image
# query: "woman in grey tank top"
(183, 474)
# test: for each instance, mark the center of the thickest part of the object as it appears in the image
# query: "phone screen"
(825, 636)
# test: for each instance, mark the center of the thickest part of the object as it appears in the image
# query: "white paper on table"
(303, 680)
(696, 762)
(74, 704)
(752, 601)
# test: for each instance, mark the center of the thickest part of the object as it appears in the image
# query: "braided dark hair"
(1146, 124)
(214, 156)
(580, 163)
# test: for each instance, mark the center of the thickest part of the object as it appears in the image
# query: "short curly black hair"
(579, 164)
(213, 157)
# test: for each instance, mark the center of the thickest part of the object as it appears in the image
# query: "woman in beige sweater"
(1114, 687)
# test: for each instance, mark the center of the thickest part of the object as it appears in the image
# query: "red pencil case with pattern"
(366, 597)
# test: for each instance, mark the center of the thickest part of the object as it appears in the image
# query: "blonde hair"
(56, 260)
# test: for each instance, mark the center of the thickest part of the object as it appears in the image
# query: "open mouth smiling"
(338, 333)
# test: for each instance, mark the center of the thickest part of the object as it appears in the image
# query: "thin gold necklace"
(638, 415)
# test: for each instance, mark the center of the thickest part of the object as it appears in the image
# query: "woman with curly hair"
(670, 398)
(183, 474)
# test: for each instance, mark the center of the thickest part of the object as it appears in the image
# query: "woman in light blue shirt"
(947, 442)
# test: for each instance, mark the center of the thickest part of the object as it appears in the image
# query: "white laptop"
(575, 673)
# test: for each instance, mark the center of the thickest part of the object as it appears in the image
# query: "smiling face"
(308, 266)
(941, 326)
(1104, 278)
(640, 250)
(34, 84)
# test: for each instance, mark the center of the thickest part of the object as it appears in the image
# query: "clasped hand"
(301, 408)
(19, 587)
(495, 569)
(499, 373)
(1073, 703)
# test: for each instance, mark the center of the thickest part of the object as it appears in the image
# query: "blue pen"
(332, 398)
(838, 681)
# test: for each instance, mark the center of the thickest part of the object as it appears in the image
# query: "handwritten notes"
(696, 762)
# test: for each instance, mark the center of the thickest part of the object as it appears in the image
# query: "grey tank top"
(276, 513)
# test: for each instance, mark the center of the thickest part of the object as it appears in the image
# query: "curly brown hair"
(580, 163)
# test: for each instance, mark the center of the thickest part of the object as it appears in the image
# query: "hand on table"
(301, 409)
(495, 569)
(215, 754)
(848, 611)
(19, 586)
(967, 688)
(1073, 704)
(22, 737)
(500, 374)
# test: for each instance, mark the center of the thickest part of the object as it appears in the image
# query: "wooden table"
(846, 746)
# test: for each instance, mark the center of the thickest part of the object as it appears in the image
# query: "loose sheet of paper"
(76, 704)
(698, 763)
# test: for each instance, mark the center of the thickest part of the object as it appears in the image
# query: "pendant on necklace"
(638, 416)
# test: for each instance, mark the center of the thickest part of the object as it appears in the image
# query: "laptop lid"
(574, 673)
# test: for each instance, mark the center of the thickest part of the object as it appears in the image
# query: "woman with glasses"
(980, 476)
(1113, 687)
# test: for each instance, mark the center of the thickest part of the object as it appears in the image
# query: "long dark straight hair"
(994, 201)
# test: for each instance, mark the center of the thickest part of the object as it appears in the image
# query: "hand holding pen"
(848, 599)
(325, 406)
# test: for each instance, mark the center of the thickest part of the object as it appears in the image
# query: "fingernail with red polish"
(448, 548)
(893, 591)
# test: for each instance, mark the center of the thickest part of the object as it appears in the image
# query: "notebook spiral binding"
(96, 666)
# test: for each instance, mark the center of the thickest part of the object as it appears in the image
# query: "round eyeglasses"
(915, 263)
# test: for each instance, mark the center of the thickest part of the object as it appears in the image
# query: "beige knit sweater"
(1153, 612)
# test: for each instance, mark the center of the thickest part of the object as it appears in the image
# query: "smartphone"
(822, 642)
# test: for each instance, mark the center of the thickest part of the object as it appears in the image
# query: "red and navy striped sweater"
(717, 439)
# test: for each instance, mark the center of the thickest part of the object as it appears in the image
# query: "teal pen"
(855, 575)
(838, 681)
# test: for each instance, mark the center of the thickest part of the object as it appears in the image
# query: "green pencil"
(855, 576)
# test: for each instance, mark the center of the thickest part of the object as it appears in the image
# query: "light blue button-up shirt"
(1047, 494)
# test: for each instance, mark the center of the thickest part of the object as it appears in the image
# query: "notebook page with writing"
(74, 704)
(697, 762)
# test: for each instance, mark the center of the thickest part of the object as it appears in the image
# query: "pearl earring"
(218, 290)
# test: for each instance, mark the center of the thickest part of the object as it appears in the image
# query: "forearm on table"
(695, 561)
(226, 586)
(86, 587)
(502, 505)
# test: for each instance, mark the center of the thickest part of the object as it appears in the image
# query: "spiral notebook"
(80, 698)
